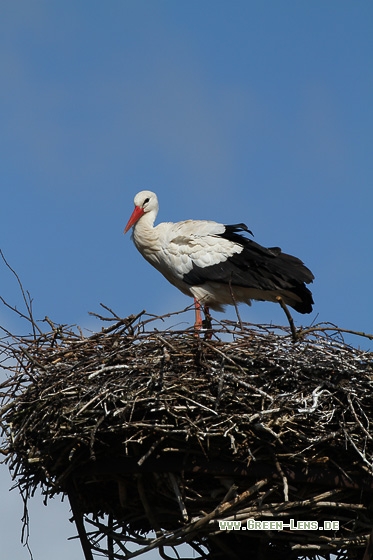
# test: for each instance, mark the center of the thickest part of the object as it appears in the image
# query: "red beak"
(136, 215)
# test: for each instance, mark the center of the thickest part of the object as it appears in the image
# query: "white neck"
(145, 235)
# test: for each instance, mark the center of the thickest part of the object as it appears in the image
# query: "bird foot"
(202, 324)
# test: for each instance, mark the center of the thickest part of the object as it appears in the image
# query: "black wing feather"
(257, 267)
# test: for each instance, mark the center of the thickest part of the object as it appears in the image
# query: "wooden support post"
(78, 518)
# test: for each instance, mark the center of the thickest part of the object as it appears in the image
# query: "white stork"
(217, 264)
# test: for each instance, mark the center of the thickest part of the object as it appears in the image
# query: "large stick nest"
(149, 430)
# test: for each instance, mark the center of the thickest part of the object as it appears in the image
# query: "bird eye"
(146, 201)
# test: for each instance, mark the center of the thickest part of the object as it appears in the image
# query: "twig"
(179, 498)
(318, 328)
(27, 300)
(150, 451)
(284, 480)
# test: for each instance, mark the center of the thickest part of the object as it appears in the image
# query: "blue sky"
(255, 112)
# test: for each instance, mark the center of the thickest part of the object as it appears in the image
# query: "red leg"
(198, 323)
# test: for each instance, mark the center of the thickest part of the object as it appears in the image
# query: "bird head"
(145, 201)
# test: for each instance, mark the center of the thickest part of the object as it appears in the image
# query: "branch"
(27, 300)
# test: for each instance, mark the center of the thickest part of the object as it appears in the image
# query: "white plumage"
(217, 264)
